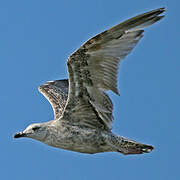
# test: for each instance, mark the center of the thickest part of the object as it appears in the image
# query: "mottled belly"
(82, 141)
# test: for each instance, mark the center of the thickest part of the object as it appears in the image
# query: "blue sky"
(36, 37)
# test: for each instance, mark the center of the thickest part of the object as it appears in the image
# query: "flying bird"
(83, 112)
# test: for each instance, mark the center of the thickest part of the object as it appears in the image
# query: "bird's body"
(79, 139)
(88, 140)
(82, 109)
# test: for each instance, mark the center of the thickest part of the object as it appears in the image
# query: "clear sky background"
(36, 38)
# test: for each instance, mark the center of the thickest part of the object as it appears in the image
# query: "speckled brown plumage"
(57, 93)
(82, 109)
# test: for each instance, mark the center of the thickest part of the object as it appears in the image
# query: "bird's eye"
(35, 128)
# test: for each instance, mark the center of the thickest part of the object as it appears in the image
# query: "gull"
(83, 112)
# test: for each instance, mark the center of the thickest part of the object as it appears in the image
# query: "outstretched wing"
(56, 93)
(93, 70)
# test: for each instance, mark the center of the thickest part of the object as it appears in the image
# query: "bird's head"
(36, 131)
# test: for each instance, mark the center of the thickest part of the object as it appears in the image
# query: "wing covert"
(56, 92)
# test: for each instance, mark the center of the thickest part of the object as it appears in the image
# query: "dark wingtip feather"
(162, 9)
(158, 11)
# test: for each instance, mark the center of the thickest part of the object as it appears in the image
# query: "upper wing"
(56, 93)
(93, 69)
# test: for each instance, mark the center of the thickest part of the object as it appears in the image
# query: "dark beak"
(19, 134)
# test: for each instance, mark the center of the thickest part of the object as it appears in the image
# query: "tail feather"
(127, 146)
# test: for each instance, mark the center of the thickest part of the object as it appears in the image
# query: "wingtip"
(156, 12)
(163, 9)
(160, 10)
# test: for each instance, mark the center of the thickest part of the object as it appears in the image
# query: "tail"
(126, 146)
